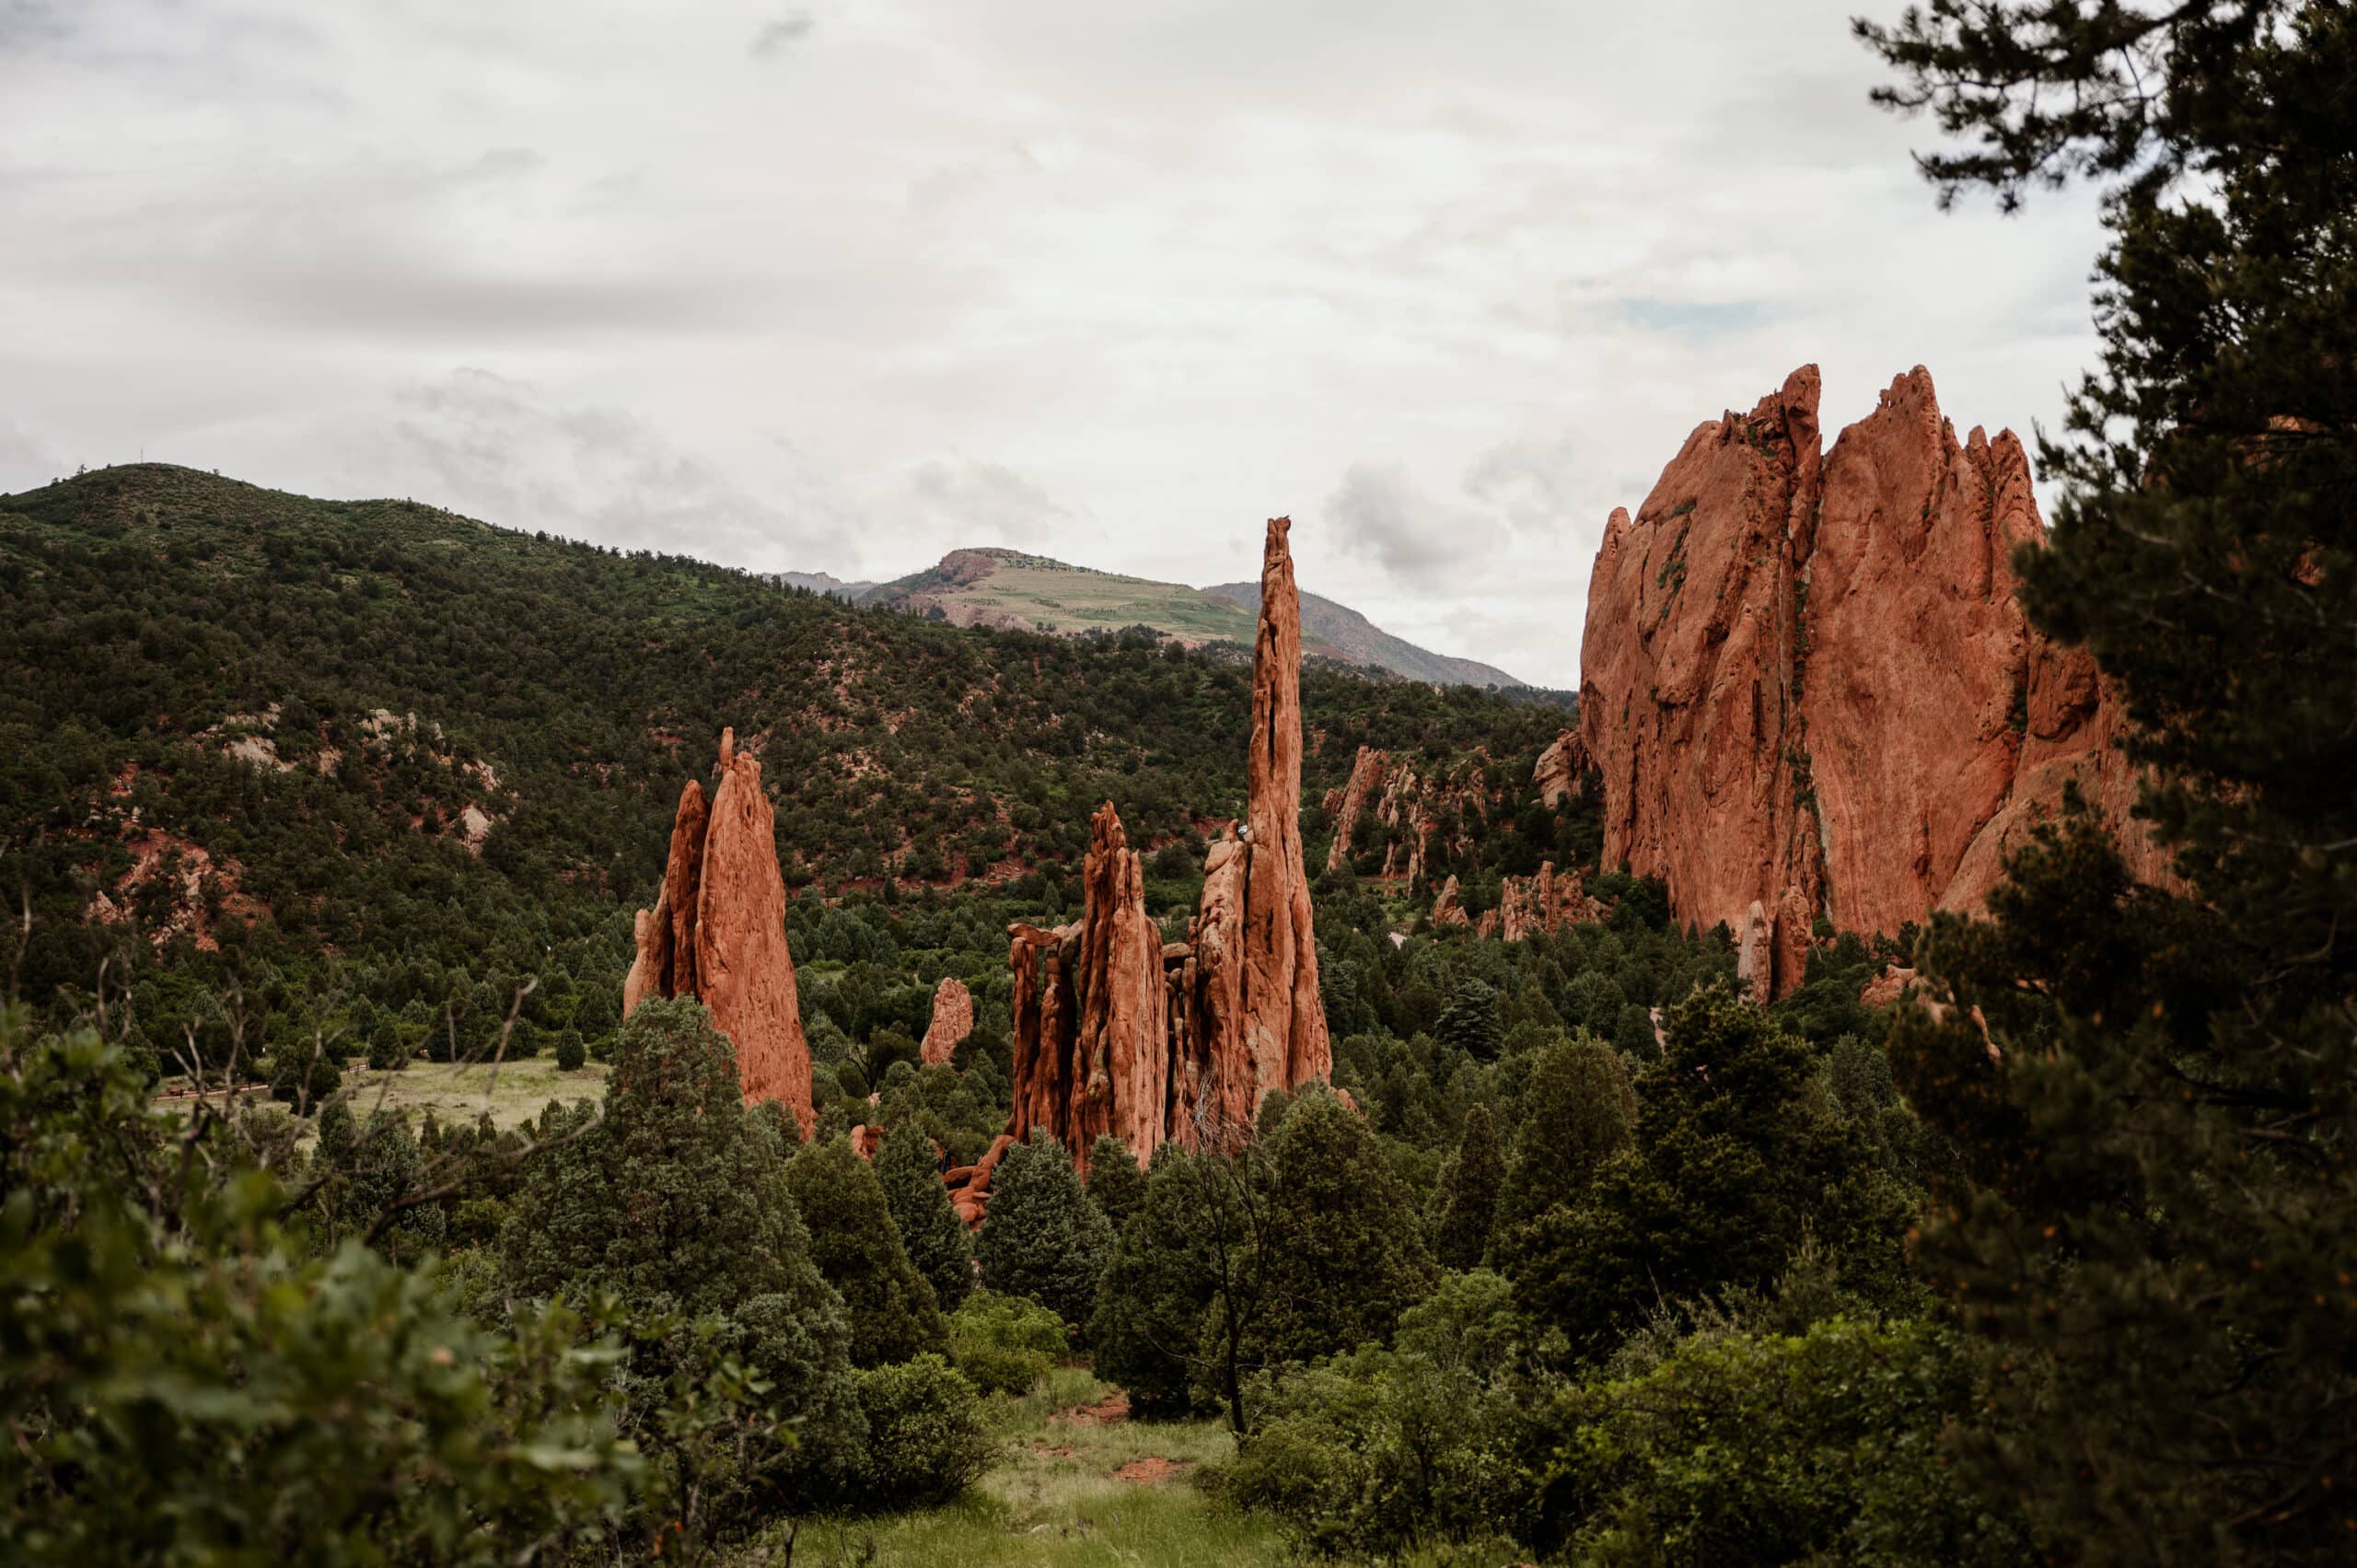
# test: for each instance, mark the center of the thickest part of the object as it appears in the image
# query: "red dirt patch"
(1104, 1412)
(1149, 1470)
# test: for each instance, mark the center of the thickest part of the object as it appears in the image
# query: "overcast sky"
(839, 286)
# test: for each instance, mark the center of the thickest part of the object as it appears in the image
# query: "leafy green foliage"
(2158, 1252)
(1462, 1239)
(1003, 1344)
(1345, 1252)
(1042, 1238)
(1115, 1183)
(925, 1442)
(930, 1230)
(1744, 1447)
(891, 1309)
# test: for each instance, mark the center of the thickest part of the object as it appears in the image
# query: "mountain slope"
(294, 750)
(1360, 641)
(1008, 590)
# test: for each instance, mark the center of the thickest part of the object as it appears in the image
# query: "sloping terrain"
(1012, 591)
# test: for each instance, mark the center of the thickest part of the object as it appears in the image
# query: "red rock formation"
(1366, 777)
(1808, 685)
(1091, 1046)
(1548, 901)
(1446, 910)
(865, 1141)
(1887, 987)
(953, 1020)
(717, 932)
(1115, 1031)
(1562, 772)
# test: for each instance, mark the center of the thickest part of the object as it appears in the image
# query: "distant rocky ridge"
(1009, 591)
(1810, 689)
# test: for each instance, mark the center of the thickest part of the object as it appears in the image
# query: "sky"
(839, 286)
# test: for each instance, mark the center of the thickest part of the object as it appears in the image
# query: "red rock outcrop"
(953, 1020)
(1347, 805)
(1546, 902)
(1562, 772)
(1091, 1045)
(1446, 910)
(717, 932)
(1117, 1031)
(1808, 685)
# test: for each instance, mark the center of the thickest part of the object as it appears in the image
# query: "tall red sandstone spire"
(1114, 1030)
(717, 932)
(1810, 689)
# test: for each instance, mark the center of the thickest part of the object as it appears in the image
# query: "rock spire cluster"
(717, 932)
(1808, 685)
(1116, 1031)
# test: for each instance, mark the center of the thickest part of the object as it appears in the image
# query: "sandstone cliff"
(1117, 1031)
(717, 932)
(1808, 685)
(952, 1021)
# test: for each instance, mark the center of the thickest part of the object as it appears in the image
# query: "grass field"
(456, 1091)
(1069, 1490)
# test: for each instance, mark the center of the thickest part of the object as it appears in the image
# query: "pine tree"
(1041, 1237)
(1481, 1172)
(1469, 1023)
(892, 1310)
(1736, 1158)
(675, 1197)
(1574, 1114)
(2158, 1251)
(1116, 1185)
(385, 1168)
(930, 1230)
(1345, 1252)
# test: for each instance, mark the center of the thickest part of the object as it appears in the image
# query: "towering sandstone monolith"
(1117, 1031)
(717, 932)
(1808, 685)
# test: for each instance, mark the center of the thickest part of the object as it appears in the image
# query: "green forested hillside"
(304, 748)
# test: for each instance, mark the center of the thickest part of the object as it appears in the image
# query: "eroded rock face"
(1091, 1046)
(1809, 688)
(953, 1020)
(1446, 910)
(1562, 768)
(717, 932)
(1546, 901)
(1116, 1031)
(1367, 773)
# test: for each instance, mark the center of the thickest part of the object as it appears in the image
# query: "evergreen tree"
(930, 1230)
(1115, 1183)
(1463, 1235)
(675, 1198)
(1041, 1237)
(2160, 1247)
(1737, 1158)
(1345, 1254)
(338, 1133)
(570, 1051)
(1470, 1022)
(1145, 1330)
(385, 1168)
(852, 1240)
(1576, 1113)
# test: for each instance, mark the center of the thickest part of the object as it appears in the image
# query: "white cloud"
(1113, 283)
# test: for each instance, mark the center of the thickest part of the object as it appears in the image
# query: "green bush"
(892, 1311)
(925, 1442)
(930, 1230)
(388, 1047)
(1004, 1344)
(570, 1052)
(1743, 1447)
(1042, 1238)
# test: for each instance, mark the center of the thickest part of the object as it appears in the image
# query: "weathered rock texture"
(953, 1020)
(1808, 685)
(1546, 902)
(1410, 804)
(1562, 772)
(717, 932)
(1446, 909)
(1115, 1031)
